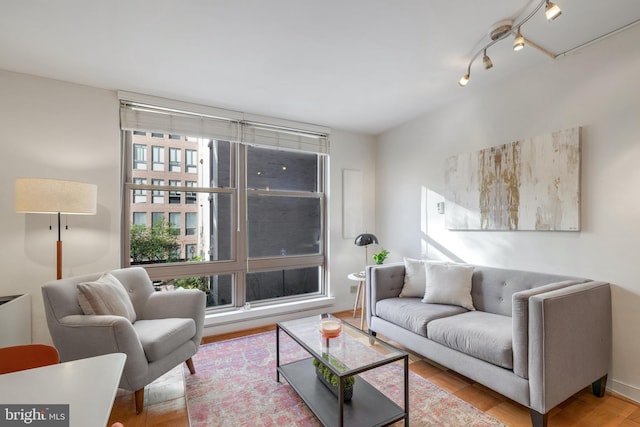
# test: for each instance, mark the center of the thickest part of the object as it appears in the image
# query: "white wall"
(54, 129)
(594, 88)
(51, 129)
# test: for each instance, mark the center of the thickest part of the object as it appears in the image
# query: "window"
(174, 196)
(139, 196)
(174, 159)
(157, 219)
(157, 135)
(173, 136)
(175, 220)
(261, 243)
(157, 196)
(191, 223)
(157, 158)
(191, 161)
(191, 196)
(140, 218)
(140, 156)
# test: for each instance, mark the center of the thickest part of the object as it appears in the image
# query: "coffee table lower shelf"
(368, 407)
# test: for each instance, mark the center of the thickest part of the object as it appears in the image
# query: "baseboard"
(258, 316)
(626, 390)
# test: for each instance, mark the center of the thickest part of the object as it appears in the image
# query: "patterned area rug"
(235, 385)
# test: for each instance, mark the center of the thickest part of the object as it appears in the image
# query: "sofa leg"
(372, 334)
(192, 369)
(599, 386)
(538, 419)
(139, 395)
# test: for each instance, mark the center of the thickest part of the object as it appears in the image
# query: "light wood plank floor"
(165, 402)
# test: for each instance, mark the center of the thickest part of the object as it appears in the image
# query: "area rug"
(235, 385)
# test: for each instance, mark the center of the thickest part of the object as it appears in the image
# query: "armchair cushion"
(159, 337)
(105, 296)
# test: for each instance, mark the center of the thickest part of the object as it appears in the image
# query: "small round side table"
(360, 278)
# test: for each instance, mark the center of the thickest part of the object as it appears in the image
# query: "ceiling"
(359, 65)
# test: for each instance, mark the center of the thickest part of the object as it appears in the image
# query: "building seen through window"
(184, 213)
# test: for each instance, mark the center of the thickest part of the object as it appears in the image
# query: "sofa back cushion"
(492, 288)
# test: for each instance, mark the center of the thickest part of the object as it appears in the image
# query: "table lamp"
(54, 196)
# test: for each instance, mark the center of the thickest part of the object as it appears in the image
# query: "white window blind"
(284, 138)
(150, 114)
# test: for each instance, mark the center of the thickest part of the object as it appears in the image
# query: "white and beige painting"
(532, 184)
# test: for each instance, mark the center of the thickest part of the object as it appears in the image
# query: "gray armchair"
(167, 329)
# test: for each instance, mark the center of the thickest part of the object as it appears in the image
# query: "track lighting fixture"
(518, 43)
(486, 61)
(464, 80)
(552, 11)
(507, 27)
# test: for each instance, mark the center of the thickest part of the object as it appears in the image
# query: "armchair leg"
(538, 419)
(192, 369)
(139, 395)
(599, 386)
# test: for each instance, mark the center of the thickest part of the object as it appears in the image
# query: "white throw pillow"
(105, 296)
(414, 277)
(448, 284)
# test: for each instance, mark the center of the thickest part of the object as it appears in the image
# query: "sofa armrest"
(181, 303)
(81, 336)
(382, 281)
(520, 317)
(569, 341)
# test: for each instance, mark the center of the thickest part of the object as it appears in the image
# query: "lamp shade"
(41, 195)
(365, 239)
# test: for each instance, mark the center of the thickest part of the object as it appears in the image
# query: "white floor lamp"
(54, 196)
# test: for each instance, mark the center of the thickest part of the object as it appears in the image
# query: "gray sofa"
(535, 338)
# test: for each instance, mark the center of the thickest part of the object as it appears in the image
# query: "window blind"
(150, 114)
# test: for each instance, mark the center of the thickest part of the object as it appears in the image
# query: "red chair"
(21, 357)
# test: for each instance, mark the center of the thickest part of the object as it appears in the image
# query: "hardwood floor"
(165, 401)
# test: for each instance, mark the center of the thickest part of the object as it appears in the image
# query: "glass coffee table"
(349, 354)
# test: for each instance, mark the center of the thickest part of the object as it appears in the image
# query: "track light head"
(464, 80)
(486, 61)
(518, 43)
(552, 11)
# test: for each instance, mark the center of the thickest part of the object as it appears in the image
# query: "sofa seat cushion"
(159, 337)
(412, 314)
(485, 336)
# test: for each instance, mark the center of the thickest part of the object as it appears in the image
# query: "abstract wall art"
(532, 184)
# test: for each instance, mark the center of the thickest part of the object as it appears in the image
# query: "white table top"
(359, 276)
(89, 386)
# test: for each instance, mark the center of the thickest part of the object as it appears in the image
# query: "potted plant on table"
(381, 256)
(330, 380)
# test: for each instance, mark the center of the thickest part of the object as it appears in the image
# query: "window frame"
(239, 264)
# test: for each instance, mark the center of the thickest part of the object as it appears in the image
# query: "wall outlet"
(353, 289)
